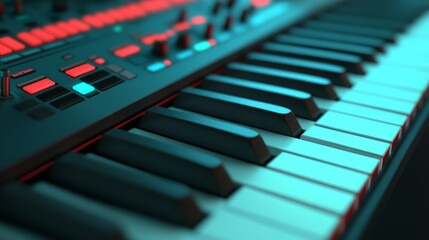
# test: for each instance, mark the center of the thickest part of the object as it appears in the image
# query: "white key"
(312, 223)
(320, 172)
(305, 123)
(363, 112)
(402, 77)
(348, 142)
(299, 147)
(360, 126)
(280, 184)
(370, 100)
(387, 91)
(226, 225)
(301, 219)
(322, 153)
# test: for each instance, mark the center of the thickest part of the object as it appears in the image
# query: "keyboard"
(192, 119)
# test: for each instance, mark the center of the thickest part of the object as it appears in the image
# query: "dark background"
(406, 214)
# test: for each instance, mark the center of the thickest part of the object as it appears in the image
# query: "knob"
(160, 48)
(244, 15)
(228, 23)
(5, 83)
(184, 40)
(216, 7)
(2, 9)
(59, 6)
(183, 16)
(231, 3)
(209, 31)
(19, 5)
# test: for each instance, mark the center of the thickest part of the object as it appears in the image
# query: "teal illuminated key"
(360, 126)
(387, 91)
(390, 74)
(367, 112)
(83, 88)
(370, 100)
(310, 222)
(235, 226)
(322, 153)
(317, 86)
(328, 174)
(349, 142)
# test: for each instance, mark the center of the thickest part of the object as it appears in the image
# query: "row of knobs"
(160, 47)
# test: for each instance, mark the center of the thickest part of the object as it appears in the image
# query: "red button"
(127, 51)
(43, 35)
(104, 18)
(4, 50)
(70, 29)
(38, 86)
(93, 21)
(115, 14)
(29, 39)
(80, 70)
(100, 61)
(78, 24)
(57, 32)
(12, 43)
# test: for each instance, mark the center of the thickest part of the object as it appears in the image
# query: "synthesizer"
(206, 119)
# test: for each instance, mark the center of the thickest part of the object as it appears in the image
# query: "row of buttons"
(32, 51)
(68, 28)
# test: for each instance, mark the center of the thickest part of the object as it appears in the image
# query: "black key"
(205, 132)
(42, 214)
(192, 167)
(301, 103)
(127, 187)
(337, 74)
(52, 93)
(364, 21)
(242, 110)
(345, 28)
(25, 105)
(351, 62)
(404, 13)
(107, 83)
(67, 101)
(318, 86)
(93, 77)
(366, 53)
(339, 37)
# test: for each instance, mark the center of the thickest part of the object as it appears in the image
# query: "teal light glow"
(201, 46)
(83, 88)
(155, 67)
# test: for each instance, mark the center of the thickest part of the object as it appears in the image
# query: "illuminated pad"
(127, 51)
(83, 88)
(38, 86)
(80, 70)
